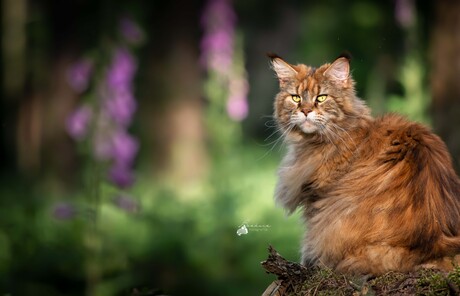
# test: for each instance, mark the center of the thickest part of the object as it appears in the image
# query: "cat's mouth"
(305, 123)
(308, 126)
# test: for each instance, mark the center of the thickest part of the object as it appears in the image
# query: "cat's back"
(411, 167)
(397, 140)
(403, 163)
(401, 192)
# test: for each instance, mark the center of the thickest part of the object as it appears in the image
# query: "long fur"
(377, 194)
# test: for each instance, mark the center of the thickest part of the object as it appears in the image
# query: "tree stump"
(296, 279)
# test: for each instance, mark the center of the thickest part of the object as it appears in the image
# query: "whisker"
(277, 130)
(271, 135)
(283, 137)
(276, 141)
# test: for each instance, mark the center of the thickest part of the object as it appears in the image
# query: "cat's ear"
(339, 70)
(284, 71)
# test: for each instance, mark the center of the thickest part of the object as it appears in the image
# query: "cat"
(377, 194)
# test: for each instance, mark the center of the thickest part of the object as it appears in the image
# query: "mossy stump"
(296, 279)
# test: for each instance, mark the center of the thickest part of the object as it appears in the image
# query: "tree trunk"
(445, 75)
(172, 104)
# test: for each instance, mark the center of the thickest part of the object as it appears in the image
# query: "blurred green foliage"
(179, 241)
(415, 100)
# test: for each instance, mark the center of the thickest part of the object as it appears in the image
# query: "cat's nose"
(306, 111)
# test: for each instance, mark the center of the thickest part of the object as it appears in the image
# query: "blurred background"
(138, 153)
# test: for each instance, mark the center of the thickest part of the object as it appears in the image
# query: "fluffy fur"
(377, 194)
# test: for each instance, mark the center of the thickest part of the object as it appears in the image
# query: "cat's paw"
(308, 262)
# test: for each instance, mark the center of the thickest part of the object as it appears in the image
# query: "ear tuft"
(346, 54)
(273, 56)
(284, 71)
(339, 69)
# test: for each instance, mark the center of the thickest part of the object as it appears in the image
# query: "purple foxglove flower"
(122, 69)
(221, 41)
(64, 211)
(121, 175)
(218, 51)
(130, 31)
(218, 13)
(126, 203)
(237, 108)
(124, 148)
(217, 45)
(78, 121)
(79, 74)
(121, 107)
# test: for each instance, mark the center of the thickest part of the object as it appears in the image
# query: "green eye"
(296, 98)
(321, 98)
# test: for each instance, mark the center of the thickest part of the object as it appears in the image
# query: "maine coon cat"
(377, 194)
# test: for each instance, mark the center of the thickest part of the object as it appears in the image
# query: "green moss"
(432, 283)
(323, 281)
(391, 283)
(454, 277)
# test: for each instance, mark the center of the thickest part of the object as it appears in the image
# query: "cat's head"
(316, 101)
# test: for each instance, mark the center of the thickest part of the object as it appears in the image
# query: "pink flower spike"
(237, 108)
(121, 107)
(124, 148)
(121, 72)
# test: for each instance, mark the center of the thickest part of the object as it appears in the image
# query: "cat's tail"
(451, 247)
(446, 264)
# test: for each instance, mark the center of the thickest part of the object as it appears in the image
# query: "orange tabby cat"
(377, 194)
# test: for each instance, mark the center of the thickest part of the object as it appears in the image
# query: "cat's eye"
(321, 98)
(296, 98)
